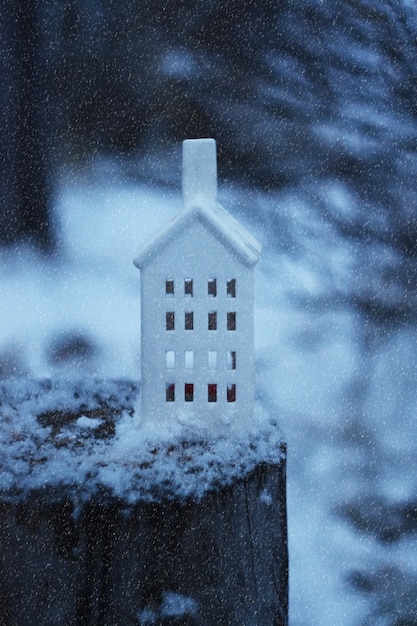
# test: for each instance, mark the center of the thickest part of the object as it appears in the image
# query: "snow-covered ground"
(348, 417)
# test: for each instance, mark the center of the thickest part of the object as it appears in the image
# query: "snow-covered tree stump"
(103, 524)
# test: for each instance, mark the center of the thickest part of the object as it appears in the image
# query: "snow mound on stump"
(81, 437)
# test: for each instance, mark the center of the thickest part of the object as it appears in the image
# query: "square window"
(212, 288)
(170, 320)
(231, 320)
(170, 359)
(188, 320)
(170, 392)
(231, 393)
(230, 360)
(188, 392)
(212, 320)
(188, 287)
(189, 359)
(212, 392)
(231, 288)
(169, 288)
(212, 360)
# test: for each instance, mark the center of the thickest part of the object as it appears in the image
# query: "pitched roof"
(218, 221)
(199, 186)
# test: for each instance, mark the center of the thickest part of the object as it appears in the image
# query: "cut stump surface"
(97, 531)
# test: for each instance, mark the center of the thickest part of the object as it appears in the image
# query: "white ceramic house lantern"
(197, 305)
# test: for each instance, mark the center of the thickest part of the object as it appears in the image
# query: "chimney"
(199, 172)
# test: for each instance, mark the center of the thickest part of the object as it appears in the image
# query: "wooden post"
(77, 555)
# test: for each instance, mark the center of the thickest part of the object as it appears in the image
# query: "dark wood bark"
(111, 563)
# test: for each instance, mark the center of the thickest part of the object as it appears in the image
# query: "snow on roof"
(199, 184)
(218, 221)
(80, 438)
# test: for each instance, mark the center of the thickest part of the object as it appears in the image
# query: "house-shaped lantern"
(197, 305)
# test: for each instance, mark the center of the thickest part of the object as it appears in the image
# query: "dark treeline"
(295, 92)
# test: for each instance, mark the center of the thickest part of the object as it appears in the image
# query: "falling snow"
(314, 105)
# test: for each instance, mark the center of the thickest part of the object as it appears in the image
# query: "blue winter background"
(314, 108)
